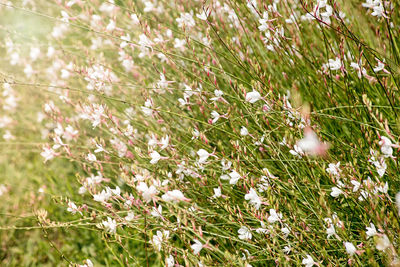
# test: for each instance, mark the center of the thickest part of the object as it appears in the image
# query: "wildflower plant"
(216, 133)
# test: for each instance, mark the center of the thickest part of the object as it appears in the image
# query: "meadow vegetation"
(199, 133)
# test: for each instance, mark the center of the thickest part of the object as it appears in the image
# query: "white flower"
(370, 3)
(383, 188)
(91, 157)
(174, 196)
(164, 142)
(203, 156)
(382, 243)
(203, 15)
(379, 67)
(234, 177)
(157, 212)
(274, 216)
(285, 231)
(88, 263)
(296, 151)
(48, 153)
(130, 216)
(262, 229)
(226, 165)
(111, 26)
(253, 198)
(170, 261)
(356, 185)
(155, 157)
(330, 231)
(149, 6)
(336, 191)
(363, 195)
(371, 231)
(71, 207)
(380, 165)
(103, 196)
(159, 238)
(350, 248)
(310, 144)
(144, 41)
(333, 64)
(225, 177)
(378, 9)
(252, 5)
(381, 169)
(179, 43)
(244, 131)
(244, 233)
(287, 249)
(333, 169)
(197, 246)
(283, 142)
(147, 108)
(147, 192)
(360, 70)
(217, 192)
(135, 19)
(186, 19)
(110, 225)
(308, 261)
(70, 133)
(263, 22)
(386, 146)
(215, 115)
(245, 254)
(96, 179)
(253, 97)
(116, 191)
